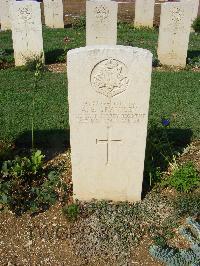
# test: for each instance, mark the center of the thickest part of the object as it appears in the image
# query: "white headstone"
(194, 5)
(53, 12)
(5, 14)
(108, 113)
(101, 22)
(144, 13)
(26, 31)
(174, 33)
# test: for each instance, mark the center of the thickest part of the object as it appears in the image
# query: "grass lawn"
(173, 95)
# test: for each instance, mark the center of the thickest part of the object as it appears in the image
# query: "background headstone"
(108, 113)
(174, 33)
(194, 5)
(26, 31)
(5, 14)
(144, 13)
(53, 12)
(101, 22)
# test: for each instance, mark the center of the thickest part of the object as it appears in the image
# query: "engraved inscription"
(109, 112)
(101, 12)
(108, 141)
(25, 14)
(176, 18)
(109, 78)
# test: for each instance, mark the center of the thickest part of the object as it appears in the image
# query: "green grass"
(15, 104)
(54, 40)
(56, 47)
(173, 95)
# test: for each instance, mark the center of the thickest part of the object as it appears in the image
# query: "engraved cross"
(108, 141)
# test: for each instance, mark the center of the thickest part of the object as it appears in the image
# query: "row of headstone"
(53, 12)
(175, 23)
(101, 27)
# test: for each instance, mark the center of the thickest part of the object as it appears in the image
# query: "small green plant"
(193, 62)
(5, 59)
(39, 69)
(46, 195)
(159, 240)
(71, 212)
(184, 178)
(79, 22)
(196, 24)
(26, 185)
(33, 63)
(184, 257)
(23, 167)
(155, 62)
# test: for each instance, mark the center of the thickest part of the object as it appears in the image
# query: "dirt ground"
(46, 240)
(126, 10)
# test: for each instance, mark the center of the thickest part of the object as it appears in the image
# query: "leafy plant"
(194, 62)
(46, 195)
(35, 63)
(71, 212)
(79, 22)
(23, 167)
(26, 185)
(184, 178)
(176, 257)
(196, 24)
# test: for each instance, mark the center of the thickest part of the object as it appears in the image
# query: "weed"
(193, 62)
(79, 23)
(71, 212)
(196, 24)
(26, 185)
(35, 62)
(184, 178)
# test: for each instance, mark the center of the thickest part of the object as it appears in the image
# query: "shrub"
(196, 24)
(184, 178)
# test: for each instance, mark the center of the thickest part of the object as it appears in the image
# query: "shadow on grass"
(54, 56)
(162, 145)
(52, 141)
(193, 54)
